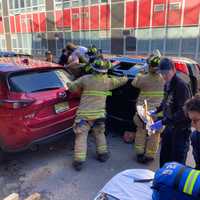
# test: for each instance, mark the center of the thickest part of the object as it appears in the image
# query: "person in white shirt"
(78, 57)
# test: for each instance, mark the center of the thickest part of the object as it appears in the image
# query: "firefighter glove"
(153, 113)
(156, 126)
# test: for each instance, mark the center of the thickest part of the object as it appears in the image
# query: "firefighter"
(175, 137)
(90, 115)
(151, 88)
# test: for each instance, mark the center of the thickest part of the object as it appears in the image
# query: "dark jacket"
(176, 92)
(195, 140)
(63, 59)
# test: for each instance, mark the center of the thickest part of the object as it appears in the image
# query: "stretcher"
(132, 184)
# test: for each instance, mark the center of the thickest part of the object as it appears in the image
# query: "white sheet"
(123, 186)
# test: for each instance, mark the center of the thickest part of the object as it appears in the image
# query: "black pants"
(174, 145)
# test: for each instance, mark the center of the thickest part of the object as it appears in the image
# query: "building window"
(66, 3)
(22, 3)
(34, 3)
(28, 3)
(84, 2)
(159, 7)
(75, 3)
(67, 37)
(16, 4)
(94, 1)
(175, 6)
(61, 4)
(11, 6)
(76, 37)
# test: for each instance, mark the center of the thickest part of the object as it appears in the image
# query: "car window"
(38, 81)
(2, 86)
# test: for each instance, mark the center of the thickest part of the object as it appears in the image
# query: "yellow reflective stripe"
(187, 187)
(80, 156)
(97, 93)
(102, 149)
(139, 147)
(152, 93)
(90, 111)
(194, 181)
(92, 115)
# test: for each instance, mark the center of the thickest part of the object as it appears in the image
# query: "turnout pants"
(174, 145)
(81, 130)
(144, 144)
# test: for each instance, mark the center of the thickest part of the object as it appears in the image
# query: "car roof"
(14, 64)
(183, 59)
(7, 54)
(142, 58)
(129, 59)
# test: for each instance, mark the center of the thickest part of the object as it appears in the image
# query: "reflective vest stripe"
(153, 93)
(97, 93)
(194, 181)
(90, 111)
(188, 187)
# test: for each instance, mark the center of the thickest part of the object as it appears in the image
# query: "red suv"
(35, 104)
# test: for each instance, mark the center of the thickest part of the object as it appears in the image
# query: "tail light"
(181, 67)
(15, 104)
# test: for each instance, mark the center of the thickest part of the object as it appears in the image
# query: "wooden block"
(35, 196)
(13, 196)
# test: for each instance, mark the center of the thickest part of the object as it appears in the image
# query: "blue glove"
(153, 113)
(156, 126)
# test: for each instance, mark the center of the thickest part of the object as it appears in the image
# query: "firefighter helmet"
(101, 66)
(92, 51)
(154, 61)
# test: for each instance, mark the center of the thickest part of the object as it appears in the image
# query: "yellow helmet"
(101, 66)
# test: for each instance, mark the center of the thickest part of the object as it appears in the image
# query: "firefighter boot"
(140, 157)
(77, 165)
(144, 159)
(103, 157)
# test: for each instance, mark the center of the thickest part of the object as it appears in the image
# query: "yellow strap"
(152, 93)
(97, 93)
(188, 184)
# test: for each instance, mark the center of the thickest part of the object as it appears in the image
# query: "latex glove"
(153, 113)
(156, 126)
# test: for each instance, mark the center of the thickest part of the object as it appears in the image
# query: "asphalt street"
(48, 170)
